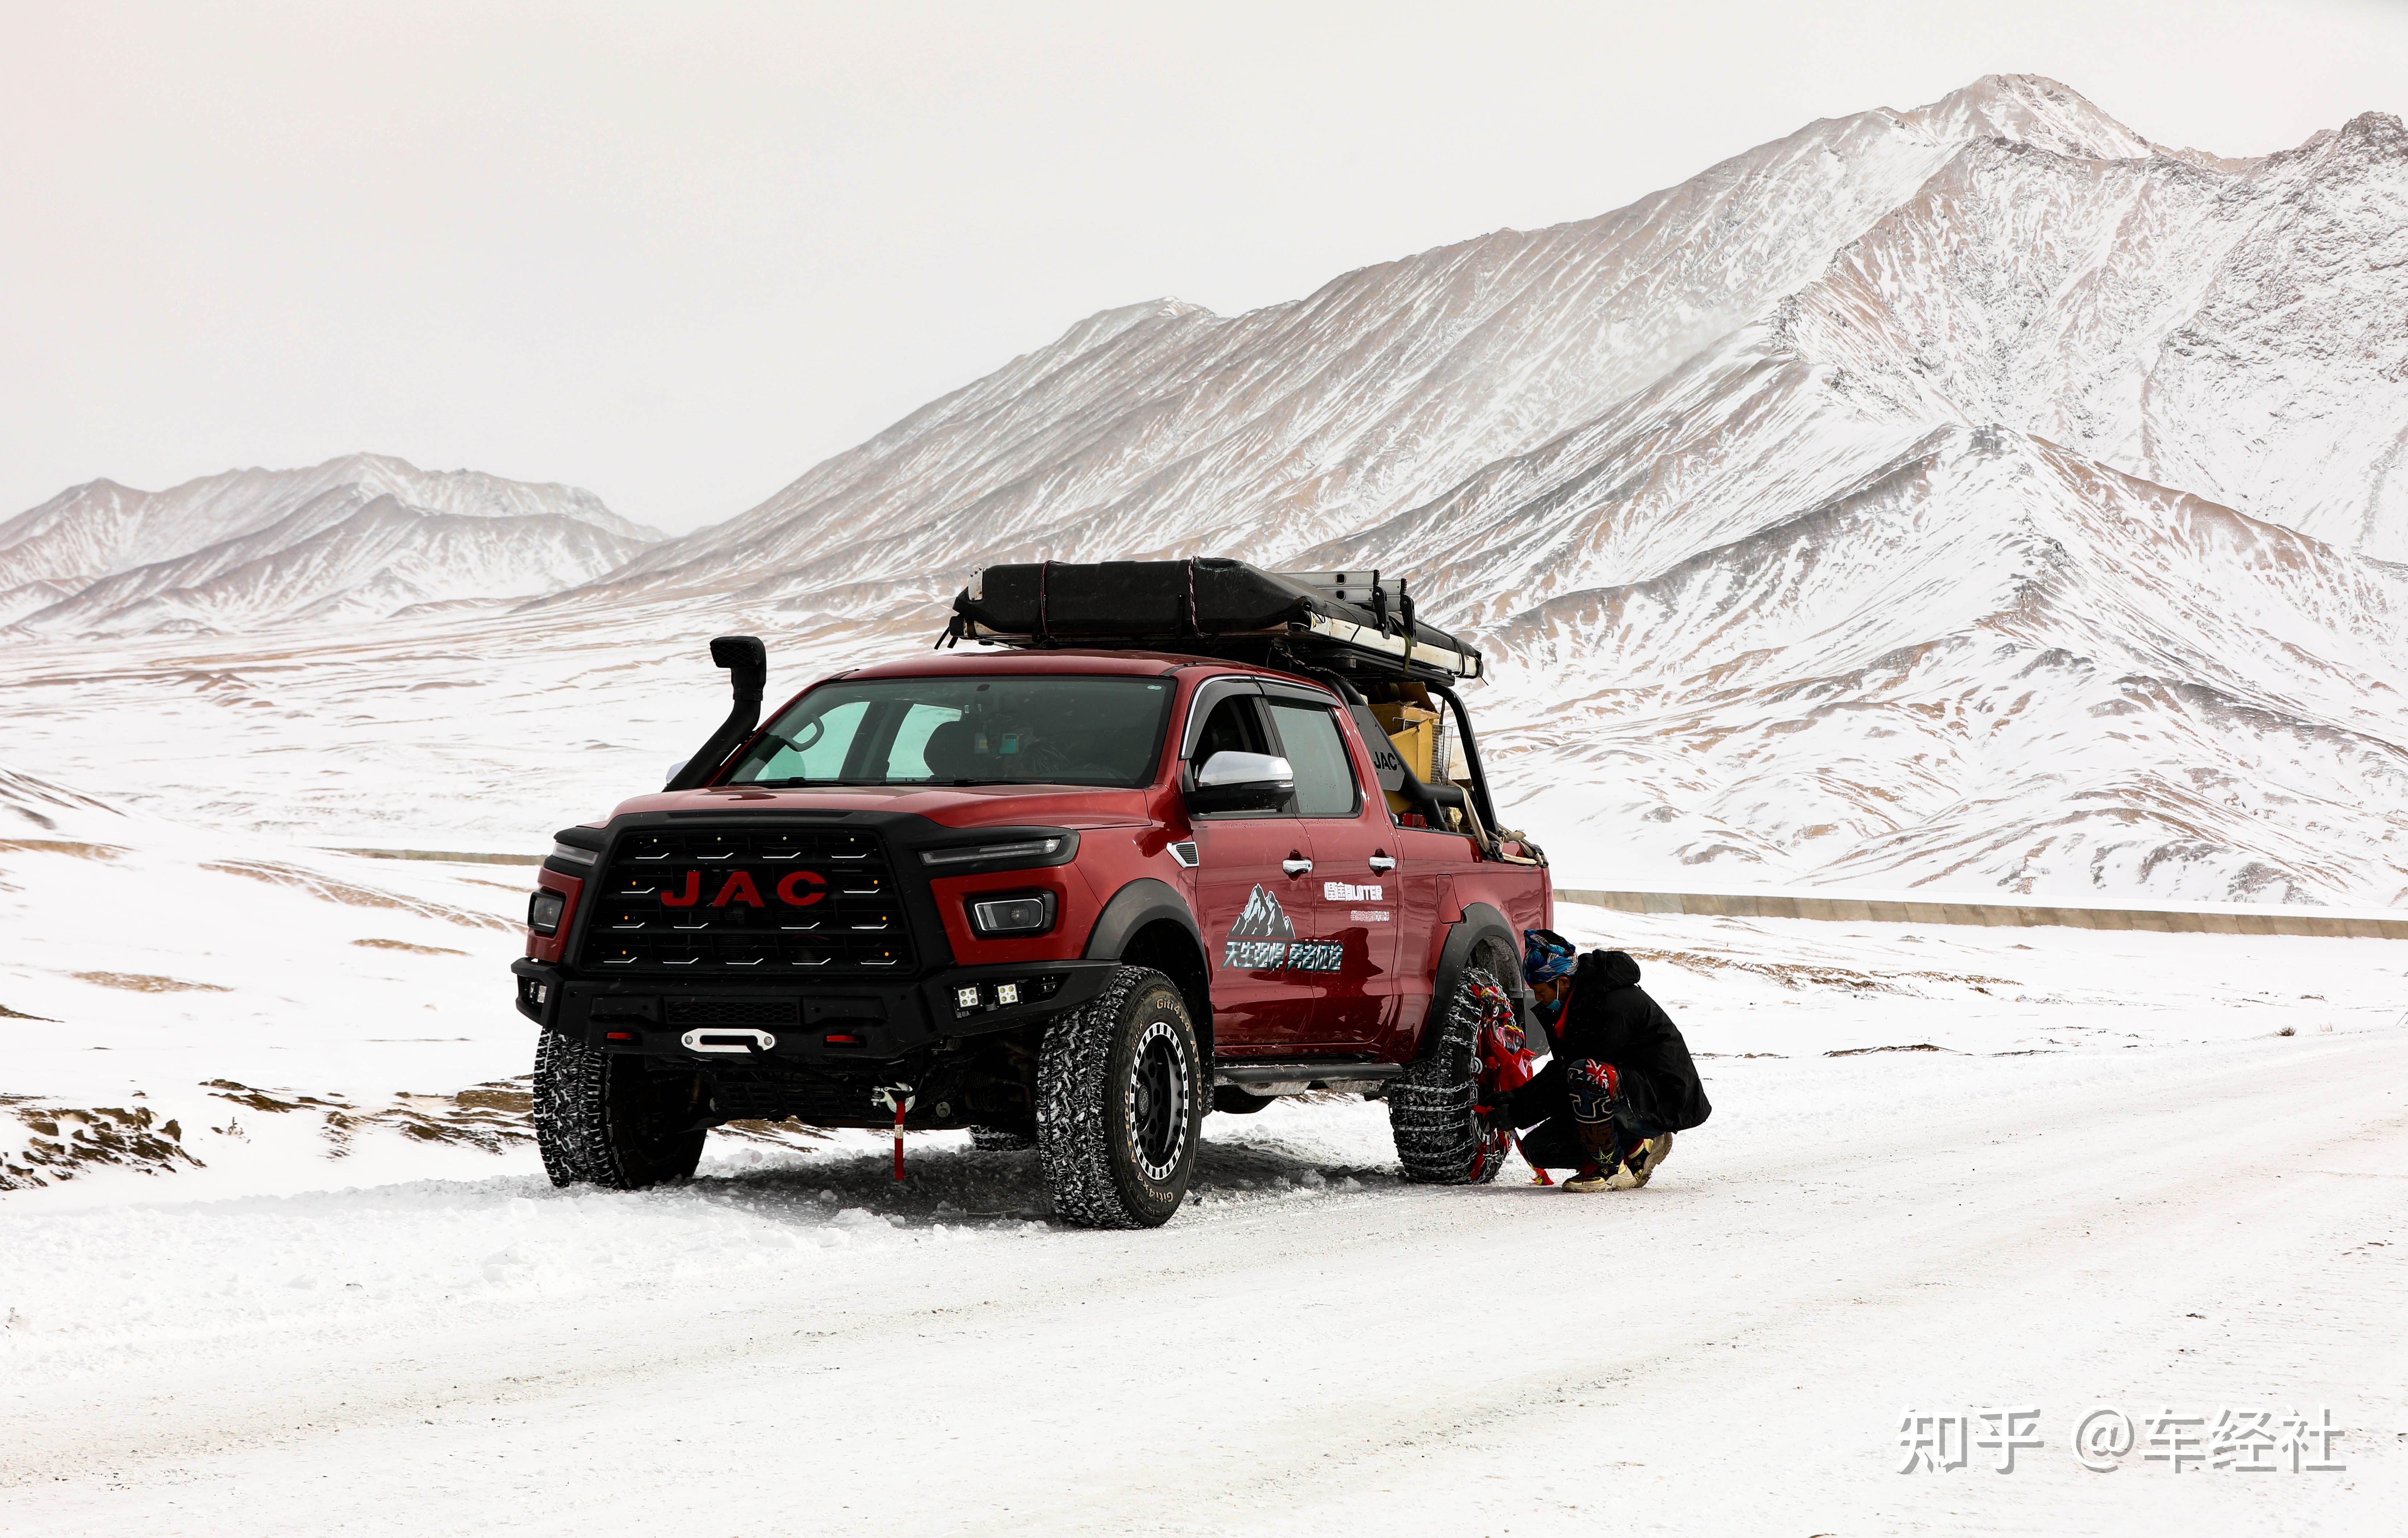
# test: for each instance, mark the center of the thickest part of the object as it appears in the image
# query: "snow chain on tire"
(1440, 1140)
(1120, 1104)
(591, 1119)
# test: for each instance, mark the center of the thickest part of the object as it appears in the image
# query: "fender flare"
(1480, 921)
(1149, 900)
(1134, 906)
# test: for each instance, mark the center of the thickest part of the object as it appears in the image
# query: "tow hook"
(899, 1096)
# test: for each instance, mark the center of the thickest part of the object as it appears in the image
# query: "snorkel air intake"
(747, 662)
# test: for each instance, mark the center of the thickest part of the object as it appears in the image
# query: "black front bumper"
(858, 1019)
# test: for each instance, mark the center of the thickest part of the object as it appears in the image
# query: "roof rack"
(1359, 621)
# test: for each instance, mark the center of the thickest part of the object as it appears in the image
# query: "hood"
(1613, 968)
(957, 807)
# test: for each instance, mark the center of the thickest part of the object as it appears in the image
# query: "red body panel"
(1372, 1002)
(552, 946)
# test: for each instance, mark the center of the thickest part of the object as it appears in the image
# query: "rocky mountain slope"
(2074, 459)
(364, 535)
(1973, 497)
(2008, 255)
(1990, 664)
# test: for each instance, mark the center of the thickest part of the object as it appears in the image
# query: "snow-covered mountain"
(2071, 460)
(1979, 497)
(2009, 255)
(364, 535)
(1991, 663)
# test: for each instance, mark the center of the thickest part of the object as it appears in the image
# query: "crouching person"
(1620, 1083)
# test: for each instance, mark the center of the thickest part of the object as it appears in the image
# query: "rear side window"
(1325, 775)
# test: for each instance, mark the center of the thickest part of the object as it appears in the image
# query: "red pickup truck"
(1073, 892)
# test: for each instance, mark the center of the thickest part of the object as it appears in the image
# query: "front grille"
(747, 903)
(735, 1012)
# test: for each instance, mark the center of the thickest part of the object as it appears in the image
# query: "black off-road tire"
(1120, 1104)
(1440, 1138)
(1000, 1139)
(602, 1119)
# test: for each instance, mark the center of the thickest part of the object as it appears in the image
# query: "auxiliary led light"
(1006, 992)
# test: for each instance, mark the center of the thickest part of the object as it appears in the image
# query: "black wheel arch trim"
(1137, 904)
(1146, 901)
(1481, 921)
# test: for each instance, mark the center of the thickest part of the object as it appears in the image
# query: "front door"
(1253, 876)
(1352, 912)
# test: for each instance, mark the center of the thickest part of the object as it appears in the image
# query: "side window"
(1325, 776)
(1232, 727)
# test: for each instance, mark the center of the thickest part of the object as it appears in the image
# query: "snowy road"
(1311, 1347)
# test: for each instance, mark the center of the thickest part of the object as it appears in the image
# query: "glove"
(1499, 1103)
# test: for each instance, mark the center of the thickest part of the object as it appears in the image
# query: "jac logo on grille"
(795, 889)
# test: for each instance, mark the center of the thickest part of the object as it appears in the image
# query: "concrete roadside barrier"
(2008, 915)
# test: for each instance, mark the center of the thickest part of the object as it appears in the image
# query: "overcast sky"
(678, 252)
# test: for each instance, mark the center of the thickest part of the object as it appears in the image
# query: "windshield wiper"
(805, 780)
(800, 782)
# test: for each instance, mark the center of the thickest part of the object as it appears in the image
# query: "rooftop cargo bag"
(1178, 606)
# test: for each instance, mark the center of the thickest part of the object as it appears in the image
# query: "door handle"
(1295, 864)
(1382, 862)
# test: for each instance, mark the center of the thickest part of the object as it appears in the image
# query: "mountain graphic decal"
(1264, 919)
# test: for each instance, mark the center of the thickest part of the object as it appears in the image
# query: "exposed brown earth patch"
(414, 950)
(143, 982)
(59, 1142)
(1811, 974)
(61, 845)
(333, 891)
(490, 1116)
(63, 1140)
(776, 1133)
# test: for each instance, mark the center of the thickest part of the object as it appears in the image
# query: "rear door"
(1351, 958)
(1252, 878)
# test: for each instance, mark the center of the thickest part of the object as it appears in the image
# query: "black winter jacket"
(1610, 1018)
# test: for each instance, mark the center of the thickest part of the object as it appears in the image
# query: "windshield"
(1051, 730)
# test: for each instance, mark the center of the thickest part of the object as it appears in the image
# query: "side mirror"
(1231, 781)
(678, 768)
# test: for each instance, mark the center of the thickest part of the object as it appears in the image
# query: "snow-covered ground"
(1811, 544)
(2077, 1169)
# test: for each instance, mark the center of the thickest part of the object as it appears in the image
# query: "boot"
(1650, 1154)
(1595, 1176)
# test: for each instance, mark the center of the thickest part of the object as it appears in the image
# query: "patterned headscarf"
(1548, 956)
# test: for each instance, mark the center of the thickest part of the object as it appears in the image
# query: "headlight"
(1015, 850)
(544, 910)
(572, 854)
(1028, 913)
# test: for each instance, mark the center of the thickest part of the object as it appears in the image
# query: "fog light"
(1006, 992)
(543, 911)
(1031, 913)
(965, 998)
